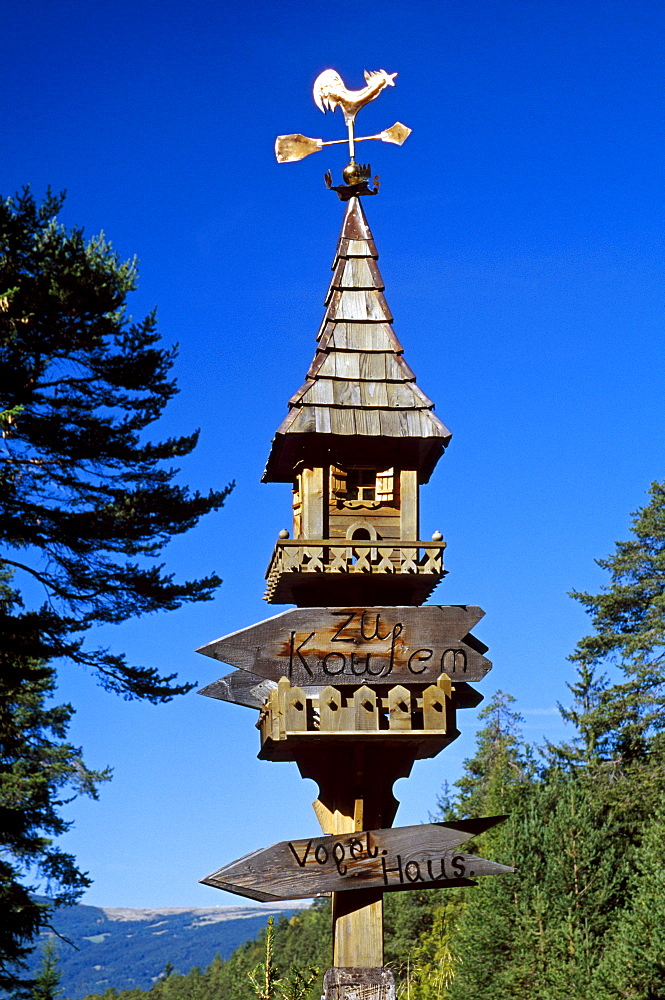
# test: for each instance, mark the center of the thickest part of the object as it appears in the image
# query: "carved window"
(385, 488)
(337, 482)
(357, 484)
(361, 484)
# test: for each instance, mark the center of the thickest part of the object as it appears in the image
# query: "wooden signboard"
(409, 857)
(341, 646)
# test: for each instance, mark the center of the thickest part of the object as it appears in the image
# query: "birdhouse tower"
(358, 681)
(358, 442)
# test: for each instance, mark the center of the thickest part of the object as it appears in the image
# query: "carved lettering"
(331, 656)
(412, 872)
(457, 865)
(293, 636)
(356, 848)
(386, 870)
(363, 669)
(419, 656)
(343, 854)
(345, 624)
(338, 854)
(304, 857)
(433, 877)
(301, 657)
(370, 853)
(375, 634)
(374, 673)
(452, 661)
(397, 631)
(373, 650)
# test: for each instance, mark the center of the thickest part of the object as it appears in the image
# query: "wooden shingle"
(358, 383)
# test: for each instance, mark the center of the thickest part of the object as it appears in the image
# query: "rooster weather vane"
(331, 93)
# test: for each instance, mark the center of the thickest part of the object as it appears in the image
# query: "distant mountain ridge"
(125, 948)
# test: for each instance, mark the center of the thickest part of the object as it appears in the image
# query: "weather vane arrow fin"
(289, 148)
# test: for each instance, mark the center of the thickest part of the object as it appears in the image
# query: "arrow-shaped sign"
(243, 688)
(315, 647)
(409, 857)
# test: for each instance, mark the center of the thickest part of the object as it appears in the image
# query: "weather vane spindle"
(330, 93)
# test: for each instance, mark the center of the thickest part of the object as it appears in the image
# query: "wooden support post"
(357, 916)
(353, 984)
(409, 526)
(355, 793)
(358, 929)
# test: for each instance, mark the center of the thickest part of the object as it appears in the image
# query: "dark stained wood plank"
(240, 688)
(355, 645)
(411, 857)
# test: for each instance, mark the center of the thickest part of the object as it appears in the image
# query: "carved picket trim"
(363, 556)
(291, 712)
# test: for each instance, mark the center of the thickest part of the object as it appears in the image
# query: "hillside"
(126, 948)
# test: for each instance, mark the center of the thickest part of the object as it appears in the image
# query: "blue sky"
(521, 238)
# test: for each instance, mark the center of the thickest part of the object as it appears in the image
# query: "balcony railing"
(353, 556)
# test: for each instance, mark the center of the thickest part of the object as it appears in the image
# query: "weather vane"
(330, 93)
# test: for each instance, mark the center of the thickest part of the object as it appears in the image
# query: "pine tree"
(87, 505)
(500, 769)
(628, 617)
(47, 982)
(590, 743)
(86, 508)
(39, 769)
(633, 965)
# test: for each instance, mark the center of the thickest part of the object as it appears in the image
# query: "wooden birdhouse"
(359, 440)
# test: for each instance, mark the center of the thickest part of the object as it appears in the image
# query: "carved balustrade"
(371, 557)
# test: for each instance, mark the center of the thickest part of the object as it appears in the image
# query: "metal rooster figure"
(331, 93)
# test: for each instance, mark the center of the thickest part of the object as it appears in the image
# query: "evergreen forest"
(585, 914)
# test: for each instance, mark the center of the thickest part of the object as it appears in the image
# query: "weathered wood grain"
(341, 983)
(240, 688)
(412, 857)
(358, 928)
(399, 707)
(339, 646)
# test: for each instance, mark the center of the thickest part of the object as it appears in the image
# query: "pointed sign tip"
(474, 826)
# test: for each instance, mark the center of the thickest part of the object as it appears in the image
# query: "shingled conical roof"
(359, 385)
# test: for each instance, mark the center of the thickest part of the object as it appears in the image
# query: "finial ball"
(437, 537)
(283, 533)
(353, 174)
